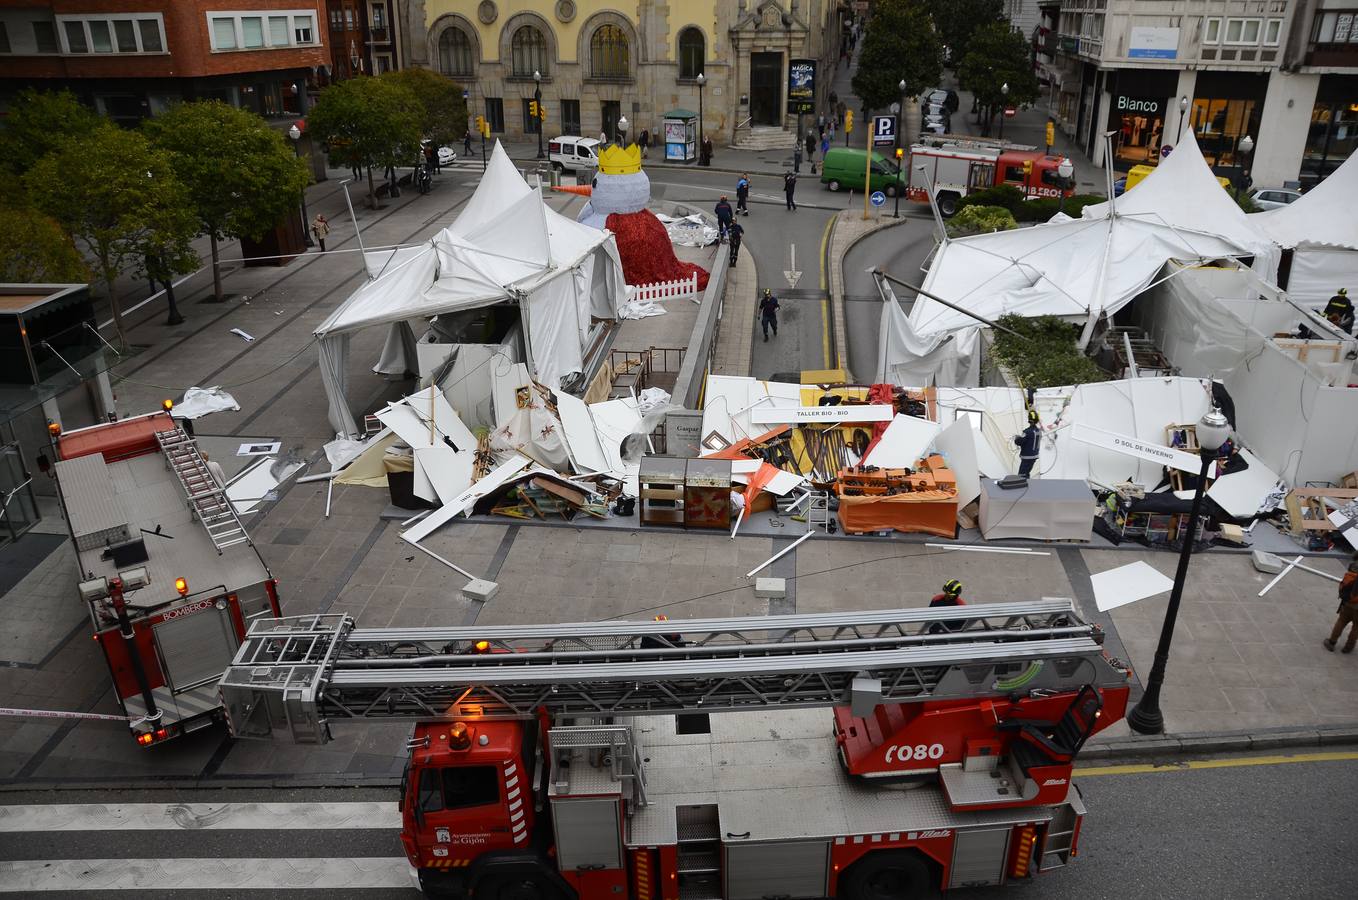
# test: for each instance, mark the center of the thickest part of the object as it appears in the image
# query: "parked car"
(446, 156)
(573, 152)
(1273, 198)
(940, 96)
(843, 167)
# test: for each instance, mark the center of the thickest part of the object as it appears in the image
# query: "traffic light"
(1051, 132)
(1027, 167)
(900, 154)
(480, 124)
(848, 120)
(533, 109)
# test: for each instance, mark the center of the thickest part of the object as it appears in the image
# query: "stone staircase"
(764, 137)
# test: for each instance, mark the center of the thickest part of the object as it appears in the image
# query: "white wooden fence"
(668, 290)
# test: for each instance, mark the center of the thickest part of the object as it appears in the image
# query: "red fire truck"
(589, 760)
(171, 577)
(956, 166)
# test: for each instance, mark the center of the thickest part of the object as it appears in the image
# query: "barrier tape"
(59, 714)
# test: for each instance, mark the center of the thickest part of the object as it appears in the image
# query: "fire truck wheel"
(888, 875)
(947, 204)
(525, 886)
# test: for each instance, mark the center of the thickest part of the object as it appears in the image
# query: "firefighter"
(768, 313)
(1029, 444)
(1340, 311)
(656, 641)
(951, 596)
(1348, 610)
(724, 217)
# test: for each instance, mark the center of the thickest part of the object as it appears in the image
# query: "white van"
(573, 152)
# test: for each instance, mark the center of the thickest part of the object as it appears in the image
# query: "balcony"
(1334, 39)
(1332, 55)
(379, 35)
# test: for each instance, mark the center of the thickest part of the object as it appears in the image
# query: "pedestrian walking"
(706, 151)
(810, 147)
(735, 233)
(1029, 444)
(467, 143)
(320, 230)
(743, 194)
(840, 111)
(825, 145)
(1348, 609)
(431, 157)
(644, 142)
(768, 313)
(790, 188)
(724, 217)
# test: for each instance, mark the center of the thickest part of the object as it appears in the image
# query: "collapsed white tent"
(1069, 269)
(507, 246)
(1321, 229)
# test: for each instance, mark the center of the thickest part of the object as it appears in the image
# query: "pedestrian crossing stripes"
(197, 816)
(103, 875)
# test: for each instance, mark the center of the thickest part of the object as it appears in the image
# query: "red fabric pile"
(646, 252)
(885, 395)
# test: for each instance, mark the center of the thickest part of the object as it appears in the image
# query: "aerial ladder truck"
(592, 760)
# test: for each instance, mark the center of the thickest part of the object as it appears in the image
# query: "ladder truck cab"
(956, 166)
(585, 761)
(168, 572)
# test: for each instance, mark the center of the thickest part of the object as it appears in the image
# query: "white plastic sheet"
(198, 402)
(1128, 584)
(903, 443)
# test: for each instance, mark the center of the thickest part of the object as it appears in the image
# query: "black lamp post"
(1145, 717)
(1183, 108)
(900, 157)
(702, 82)
(296, 134)
(1004, 104)
(537, 99)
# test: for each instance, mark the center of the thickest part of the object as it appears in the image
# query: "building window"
(379, 16)
(75, 38)
(45, 37)
(1272, 30)
(151, 35)
(1219, 126)
(495, 114)
(247, 31)
(570, 116)
(531, 125)
(1332, 137)
(1335, 27)
(528, 52)
(1243, 31)
(126, 33)
(1212, 34)
(608, 52)
(455, 52)
(692, 51)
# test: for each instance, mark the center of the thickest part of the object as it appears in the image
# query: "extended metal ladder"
(206, 497)
(301, 672)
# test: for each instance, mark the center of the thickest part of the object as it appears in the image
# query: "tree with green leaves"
(38, 122)
(368, 122)
(241, 175)
(981, 220)
(900, 45)
(997, 57)
(34, 249)
(445, 112)
(120, 199)
(956, 20)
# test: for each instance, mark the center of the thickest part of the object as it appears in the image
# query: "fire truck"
(957, 165)
(597, 760)
(169, 573)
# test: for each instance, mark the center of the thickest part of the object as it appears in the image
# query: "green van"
(843, 168)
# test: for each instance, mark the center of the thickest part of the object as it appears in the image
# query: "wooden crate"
(1306, 510)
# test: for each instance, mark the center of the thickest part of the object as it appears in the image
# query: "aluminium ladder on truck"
(299, 674)
(206, 498)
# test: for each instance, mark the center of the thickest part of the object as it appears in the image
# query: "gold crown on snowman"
(620, 161)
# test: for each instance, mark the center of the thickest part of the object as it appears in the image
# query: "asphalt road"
(899, 251)
(1249, 831)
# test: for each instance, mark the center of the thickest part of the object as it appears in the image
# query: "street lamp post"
(296, 134)
(702, 82)
(1245, 148)
(623, 125)
(1146, 718)
(1064, 169)
(537, 99)
(1004, 103)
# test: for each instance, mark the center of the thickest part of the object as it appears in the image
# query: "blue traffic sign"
(1166, 149)
(883, 131)
(877, 198)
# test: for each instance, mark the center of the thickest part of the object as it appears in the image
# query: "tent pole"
(966, 312)
(1097, 308)
(358, 233)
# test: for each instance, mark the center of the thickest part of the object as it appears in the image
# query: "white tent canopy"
(507, 246)
(1321, 228)
(1183, 194)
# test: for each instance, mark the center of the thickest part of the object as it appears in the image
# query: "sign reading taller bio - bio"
(801, 86)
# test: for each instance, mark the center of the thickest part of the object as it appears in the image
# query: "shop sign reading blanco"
(1141, 105)
(773, 415)
(1152, 42)
(1121, 443)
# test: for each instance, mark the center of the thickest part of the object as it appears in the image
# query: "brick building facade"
(130, 59)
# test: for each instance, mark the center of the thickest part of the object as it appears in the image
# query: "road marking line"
(320, 873)
(825, 299)
(198, 816)
(1146, 768)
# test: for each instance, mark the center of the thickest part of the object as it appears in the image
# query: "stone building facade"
(599, 61)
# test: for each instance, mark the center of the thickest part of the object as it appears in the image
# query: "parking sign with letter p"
(883, 131)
